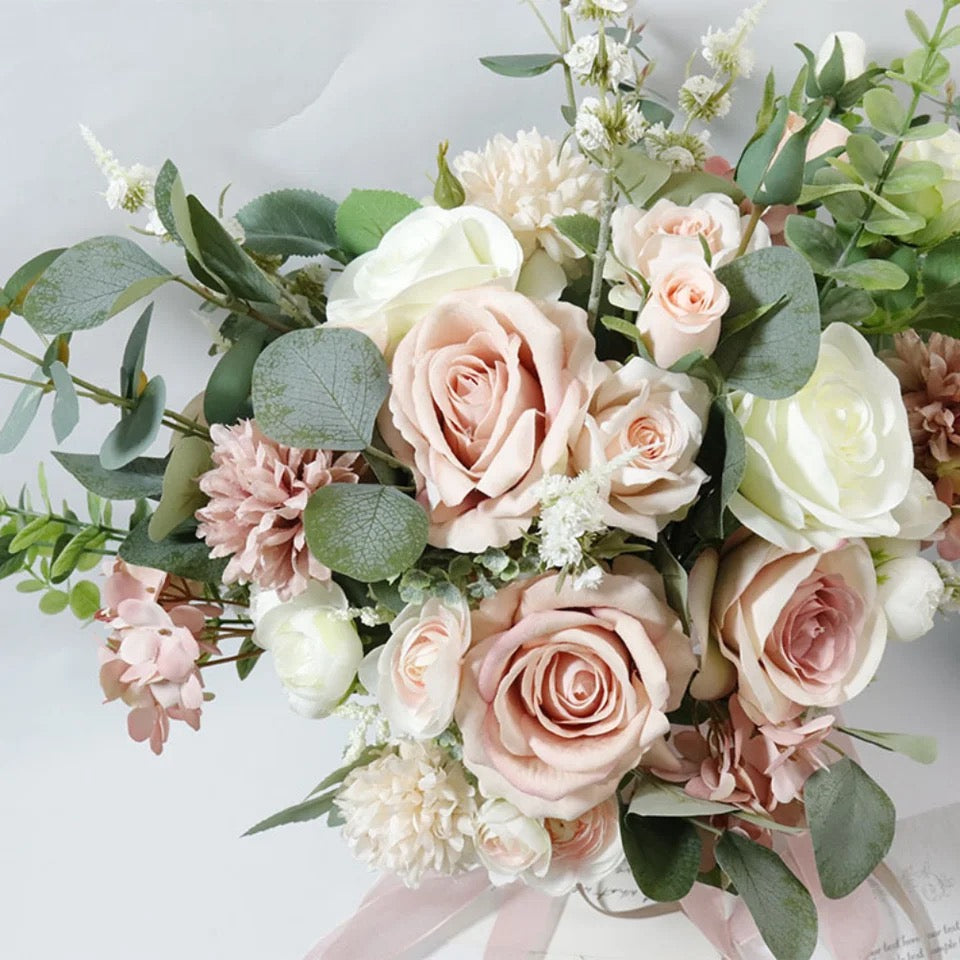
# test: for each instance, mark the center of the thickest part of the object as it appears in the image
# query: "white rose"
(509, 844)
(428, 254)
(315, 646)
(910, 589)
(854, 50)
(416, 674)
(832, 461)
(922, 513)
(945, 152)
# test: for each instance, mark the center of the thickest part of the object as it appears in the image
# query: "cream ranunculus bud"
(428, 254)
(854, 51)
(511, 845)
(315, 646)
(910, 589)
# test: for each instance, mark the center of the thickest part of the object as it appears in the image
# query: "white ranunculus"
(910, 589)
(428, 254)
(315, 647)
(509, 844)
(922, 513)
(416, 674)
(854, 53)
(834, 460)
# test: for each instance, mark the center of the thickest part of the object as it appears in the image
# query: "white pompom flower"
(411, 812)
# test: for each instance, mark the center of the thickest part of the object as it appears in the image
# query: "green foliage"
(91, 282)
(309, 809)
(640, 176)
(852, 822)
(22, 414)
(366, 215)
(66, 405)
(521, 65)
(656, 798)
(227, 395)
(84, 599)
(181, 553)
(777, 900)
(921, 749)
(137, 429)
(339, 775)
(248, 657)
(134, 354)
(181, 496)
(320, 389)
(290, 223)
(663, 854)
(582, 229)
(138, 479)
(14, 292)
(366, 532)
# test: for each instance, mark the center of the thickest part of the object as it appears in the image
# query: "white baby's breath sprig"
(601, 62)
(604, 124)
(128, 188)
(726, 50)
(705, 98)
(370, 728)
(599, 9)
(682, 149)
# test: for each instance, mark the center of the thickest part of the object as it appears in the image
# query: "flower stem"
(752, 224)
(543, 22)
(238, 306)
(112, 533)
(608, 202)
(249, 655)
(386, 458)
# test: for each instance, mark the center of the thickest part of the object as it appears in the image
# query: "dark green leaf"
(181, 554)
(366, 215)
(367, 532)
(320, 389)
(921, 749)
(521, 65)
(759, 153)
(227, 397)
(300, 813)
(777, 900)
(69, 556)
(831, 78)
(138, 479)
(170, 198)
(941, 267)
(66, 406)
(663, 853)
(674, 583)
(847, 305)
(89, 283)
(290, 223)
(133, 356)
(583, 230)
(181, 495)
(249, 653)
(138, 428)
(852, 822)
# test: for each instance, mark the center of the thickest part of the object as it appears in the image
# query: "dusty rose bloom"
(258, 491)
(929, 374)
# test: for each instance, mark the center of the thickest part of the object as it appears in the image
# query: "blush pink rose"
(828, 136)
(489, 390)
(800, 629)
(683, 311)
(564, 689)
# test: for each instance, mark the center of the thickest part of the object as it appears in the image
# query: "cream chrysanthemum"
(528, 182)
(410, 812)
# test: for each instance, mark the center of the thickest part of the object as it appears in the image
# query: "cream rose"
(666, 233)
(922, 514)
(683, 311)
(833, 460)
(801, 629)
(427, 255)
(564, 689)
(661, 415)
(488, 392)
(510, 845)
(315, 647)
(416, 674)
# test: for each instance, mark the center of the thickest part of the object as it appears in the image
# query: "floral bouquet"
(591, 487)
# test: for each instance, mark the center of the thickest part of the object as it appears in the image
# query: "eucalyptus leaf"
(170, 198)
(181, 496)
(137, 429)
(22, 414)
(885, 111)
(921, 749)
(227, 396)
(866, 156)
(140, 478)
(366, 532)
(852, 822)
(91, 282)
(779, 903)
(582, 229)
(66, 406)
(663, 854)
(639, 175)
(655, 798)
(871, 275)
(521, 65)
(14, 293)
(366, 215)
(181, 554)
(320, 389)
(816, 240)
(290, 223)
(134, 355)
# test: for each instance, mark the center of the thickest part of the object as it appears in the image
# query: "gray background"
(105, 850)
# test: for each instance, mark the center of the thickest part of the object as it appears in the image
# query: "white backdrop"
(105, 850)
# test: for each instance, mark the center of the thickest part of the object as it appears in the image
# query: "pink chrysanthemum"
(258, 491)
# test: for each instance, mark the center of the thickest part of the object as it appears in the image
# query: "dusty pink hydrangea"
(929, 375)
(258, 490)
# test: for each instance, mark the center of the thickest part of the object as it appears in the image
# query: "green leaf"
(137, 429)
(921, 749)
(141, 478)
(320, 389)
(367, 532)
(885, 111)
(941, 267)
(759, 153)
(950, 39)
(32, 533)
(663, 853)
(22, 414)
(866, 156)
(366, 215)
(310, 809)
(339, 775)
(684, 188)
(918, 27)
(30, 586)
(639, 175)
(871, 275)
(852, 822)
(66, 406)
(847, 305)
(19, 285)
(170, 198)
(181, 554)
(674, 582)
(774, 357)
(777, 900)
(521, 65)
(290, 223)
(69, 555)
(656, 798)
(816, 240)
(582, 229)
(832, 76)
(54, 602)
(91, 282)
(225, 259)
(85, 599)
(134, 355)
(912, 177)
(626, 329)
(926, 131)
(249, 660)
(227, 397)
(181, 495)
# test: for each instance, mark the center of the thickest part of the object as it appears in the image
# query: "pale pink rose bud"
(828, 136)
(510, 845)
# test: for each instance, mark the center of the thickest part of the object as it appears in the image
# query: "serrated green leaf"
(138, 479)
(921, 749)
(779, 903)
(663, 854)
(181, 554)
(521, 65)
(582, 230)
(290, 223)
(89, 283)
(137, 430)
(852, 822)
(320, 389)
(366, 532)
(181, 496)
(22, 414)
(366, 215)
(85, 599)
(310, 809)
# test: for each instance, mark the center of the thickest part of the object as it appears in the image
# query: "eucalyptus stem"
(608, 203)
(386, 458)
(239, 306)
(543, 22)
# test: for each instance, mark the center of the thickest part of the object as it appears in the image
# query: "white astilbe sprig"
(129, 188)
(726, 50)
(950, 575)
(371, 728)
